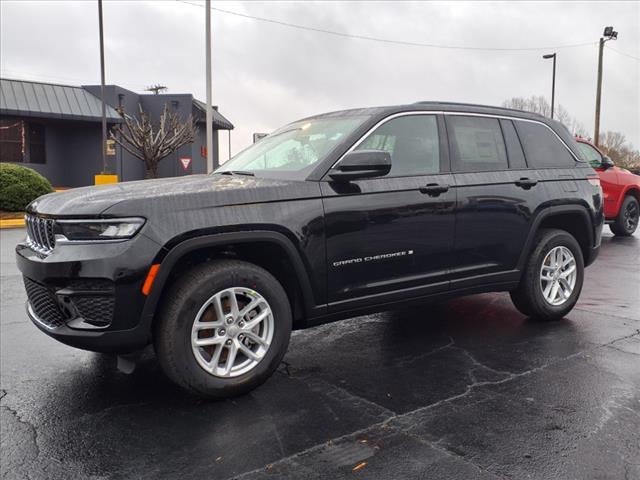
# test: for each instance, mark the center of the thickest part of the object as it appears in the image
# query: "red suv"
(621, 190)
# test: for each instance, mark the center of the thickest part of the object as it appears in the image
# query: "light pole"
(610, 35)
(104, 107)
(553, 80)
(209, 129)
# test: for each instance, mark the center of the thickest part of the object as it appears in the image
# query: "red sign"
(185, 161)
(203, 151)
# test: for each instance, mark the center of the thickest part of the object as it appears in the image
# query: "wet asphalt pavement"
(465, 389)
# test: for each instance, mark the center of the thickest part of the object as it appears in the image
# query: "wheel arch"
(270, 250)
(630, 190)
(574, 219)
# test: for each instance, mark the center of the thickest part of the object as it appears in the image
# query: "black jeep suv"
(328, 217)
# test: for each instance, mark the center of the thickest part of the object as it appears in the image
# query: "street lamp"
(553, 80)
(609, 34)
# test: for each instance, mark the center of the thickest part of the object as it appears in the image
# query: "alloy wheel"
(630, 216)
(558, 275)
(232, 332)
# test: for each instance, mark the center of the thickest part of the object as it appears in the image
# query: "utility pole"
(209, 131)
(610, 35)
(104, 106)
(553, 80)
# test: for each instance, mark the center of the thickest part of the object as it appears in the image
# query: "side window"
(514, 149)
(590, 154)
(541, 147)
(476, 144)
(412, 142)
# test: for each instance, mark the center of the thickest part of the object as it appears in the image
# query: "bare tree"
(539, 104)
(151, 143)
(615, 146)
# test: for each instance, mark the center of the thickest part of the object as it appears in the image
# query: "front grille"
(40, 234)
(44, 304)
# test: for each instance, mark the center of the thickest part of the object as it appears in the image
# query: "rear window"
(542, 147)
(476, 143)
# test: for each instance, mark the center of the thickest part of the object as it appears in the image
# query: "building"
(56, 130)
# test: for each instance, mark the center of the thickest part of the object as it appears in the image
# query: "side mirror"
(606, 162)
(361, 164)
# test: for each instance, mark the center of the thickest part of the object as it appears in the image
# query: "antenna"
(156, 89)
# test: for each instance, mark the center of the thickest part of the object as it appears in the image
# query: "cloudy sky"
(266, 75)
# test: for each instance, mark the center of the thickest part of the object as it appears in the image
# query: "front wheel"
(223, 329)
(552, 278)
(627, 220)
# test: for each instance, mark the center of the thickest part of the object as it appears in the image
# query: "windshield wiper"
(237, 172)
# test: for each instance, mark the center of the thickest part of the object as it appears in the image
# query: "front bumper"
(89, 295)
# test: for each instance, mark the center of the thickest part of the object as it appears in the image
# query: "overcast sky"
(266, 75)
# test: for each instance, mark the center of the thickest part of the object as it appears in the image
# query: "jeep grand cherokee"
(327, 218)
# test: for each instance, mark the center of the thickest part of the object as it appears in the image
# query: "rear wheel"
(223, 329)
(552, 278)
(627, 220)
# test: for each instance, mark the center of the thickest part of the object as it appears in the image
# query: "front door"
(391, 237)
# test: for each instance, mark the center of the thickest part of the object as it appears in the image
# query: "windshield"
(591, 154)
(293, 151)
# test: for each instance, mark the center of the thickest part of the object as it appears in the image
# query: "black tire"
(528, 298)
(627, 220)
(172, 329)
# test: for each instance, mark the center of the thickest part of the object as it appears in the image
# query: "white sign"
(185, 161)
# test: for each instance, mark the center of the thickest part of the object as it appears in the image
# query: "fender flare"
(550, 211)
(170, 260)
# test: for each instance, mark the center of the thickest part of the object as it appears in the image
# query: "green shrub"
(19, 186)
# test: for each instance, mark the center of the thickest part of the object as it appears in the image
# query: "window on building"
(12, 141)
(477, 144)
(412, 142)
(36, 143)
(542, 147)
(21, 141)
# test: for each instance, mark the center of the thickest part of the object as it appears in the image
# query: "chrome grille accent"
(40, 234)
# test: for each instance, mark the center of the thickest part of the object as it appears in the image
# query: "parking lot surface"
(466, 389)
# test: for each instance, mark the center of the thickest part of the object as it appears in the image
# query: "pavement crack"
(3, 393)
(29, 425)
(424, 355)
(387, 423)
(456, 456)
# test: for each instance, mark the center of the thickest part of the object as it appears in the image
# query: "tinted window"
(514, 149)
(36, 143)
(12, 147)
(412, 142)
(541, 146)
(476, 144)
(590, 154)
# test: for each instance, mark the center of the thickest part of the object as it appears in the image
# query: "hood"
(177, 193)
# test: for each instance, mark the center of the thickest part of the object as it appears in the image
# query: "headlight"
(92, 230)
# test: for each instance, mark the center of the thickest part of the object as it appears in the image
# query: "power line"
(386, 40)
(622, 53)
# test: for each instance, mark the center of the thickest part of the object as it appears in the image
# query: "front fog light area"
(88, 230)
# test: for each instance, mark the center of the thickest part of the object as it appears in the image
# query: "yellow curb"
(12, 223)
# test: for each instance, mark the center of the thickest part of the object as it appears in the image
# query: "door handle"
(434, 189)
(526, 183)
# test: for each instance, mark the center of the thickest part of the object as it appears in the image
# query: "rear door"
(496, 192)
(391, 237)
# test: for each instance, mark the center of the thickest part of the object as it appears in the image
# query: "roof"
(48, 100)
(219, 121)
(381, 112)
